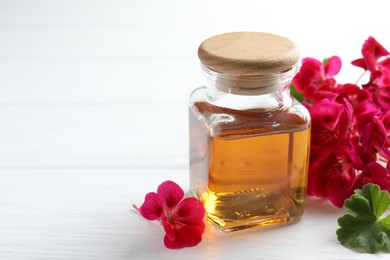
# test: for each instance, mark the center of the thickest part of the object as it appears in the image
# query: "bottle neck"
(241, 92)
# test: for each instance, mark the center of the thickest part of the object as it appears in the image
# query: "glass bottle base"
(228, 212)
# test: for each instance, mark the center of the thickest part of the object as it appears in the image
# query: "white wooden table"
(93, 115)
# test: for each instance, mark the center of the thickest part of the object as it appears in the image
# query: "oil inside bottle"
(249, 167)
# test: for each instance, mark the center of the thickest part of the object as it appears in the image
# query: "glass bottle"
(249, 138)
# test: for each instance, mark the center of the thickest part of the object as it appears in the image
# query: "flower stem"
(361, 76)
(136, 208)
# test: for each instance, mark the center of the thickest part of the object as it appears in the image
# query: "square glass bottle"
(249, 138)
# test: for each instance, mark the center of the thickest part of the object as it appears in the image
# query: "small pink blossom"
(315, 76)
(332, 178)
(374, 173)
(376, 60)
(353, 93)
(372, 51)
(385, 151)
(330, 121)
(182, 219)
(379, 87)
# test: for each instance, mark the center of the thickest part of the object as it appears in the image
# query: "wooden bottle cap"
(248, 53)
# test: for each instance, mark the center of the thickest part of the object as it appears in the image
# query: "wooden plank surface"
(93, 115)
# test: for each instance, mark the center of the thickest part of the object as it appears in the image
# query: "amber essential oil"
(249, 171)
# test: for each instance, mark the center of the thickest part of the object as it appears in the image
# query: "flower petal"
(169, 230)
(151, 209)
(352, 93)
(374, 173)
(360, 63)
(170, 194)
(332, 66)
(311, 69)
(341, 186)
(371, 52)
(190, 212)
(320, 95)
(185, 236)
(386, 120)
(364, 113)
(301, 83)
(374, 48)
(326, 114)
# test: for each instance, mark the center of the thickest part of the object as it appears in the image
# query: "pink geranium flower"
(379, 87)
(182, 219)
(372, 51)
(350, 124)
(385, 152)
(315, 76)
(330, 121)
(331, 177)
(353, 93)
(376, 60)
(374, 173)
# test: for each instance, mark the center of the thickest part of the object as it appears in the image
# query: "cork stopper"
(248, 53)
(248, 63)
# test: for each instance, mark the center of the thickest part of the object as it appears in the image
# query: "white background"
(93, 115)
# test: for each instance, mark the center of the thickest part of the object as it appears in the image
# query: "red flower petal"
(332, 66)
(353, 93)
(364, 113)
(374, 173)
(170, 195)
(326, 114)
(374, 48)
(360, 63)
(169, 230)
(386, 120)
(341, 185)
(374, 135)
(371, 52)
(311, 69)
(320, 95)
(151, 209)
(189, 211)
(301, 83)
(185, 236)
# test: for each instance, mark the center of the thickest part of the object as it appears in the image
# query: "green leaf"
(362, 228)
(379, 200)
(324, 61)
(386, 222)
(295, 93)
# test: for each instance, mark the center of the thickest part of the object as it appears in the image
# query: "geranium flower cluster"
(350, 140)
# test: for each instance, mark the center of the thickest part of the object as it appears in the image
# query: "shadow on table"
(315, 206)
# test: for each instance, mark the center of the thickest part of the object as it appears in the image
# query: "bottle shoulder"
(225, 122)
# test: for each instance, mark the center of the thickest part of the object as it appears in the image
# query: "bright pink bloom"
(385, 152)
(333, 159)
(372, 51)
(350, 124)
(331, 177)
(315, 76)
(374, 134)
(364, 113)
(353, 93)
(379, 87)
(374, 173)
(330, 121)
(376, 59)
(182, 219)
